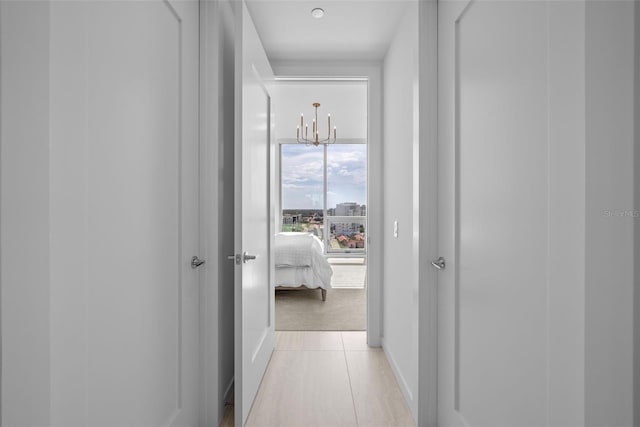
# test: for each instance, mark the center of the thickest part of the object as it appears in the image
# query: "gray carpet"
(304, 310)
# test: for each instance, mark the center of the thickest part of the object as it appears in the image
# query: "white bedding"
(299, 260)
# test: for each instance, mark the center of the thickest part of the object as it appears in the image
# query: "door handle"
(241, 259)
(246, 257)
(196, 262)
(439, 263)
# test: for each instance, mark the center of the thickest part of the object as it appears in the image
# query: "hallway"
(138, 208)
(327, 378)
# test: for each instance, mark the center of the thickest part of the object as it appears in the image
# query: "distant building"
(290, 219)
(350, 209)
(346, 228)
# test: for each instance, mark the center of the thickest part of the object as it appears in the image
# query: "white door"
(503, 84)
(124, 213)
(254, 297)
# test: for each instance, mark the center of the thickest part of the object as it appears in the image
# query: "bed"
(300, 262)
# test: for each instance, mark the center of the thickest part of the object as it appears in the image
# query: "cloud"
(303, 180)
(347, 164)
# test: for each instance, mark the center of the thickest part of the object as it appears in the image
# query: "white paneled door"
(254, 296)
(124, 213)
(497, 340)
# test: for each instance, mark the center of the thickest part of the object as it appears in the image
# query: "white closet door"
(511, 103)
(254, 228)
(124, 213)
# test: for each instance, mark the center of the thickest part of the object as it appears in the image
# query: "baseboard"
(404, 387)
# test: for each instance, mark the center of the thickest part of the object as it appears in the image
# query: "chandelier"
(315, 132)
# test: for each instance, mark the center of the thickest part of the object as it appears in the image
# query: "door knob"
(196, 262)
(439, 263)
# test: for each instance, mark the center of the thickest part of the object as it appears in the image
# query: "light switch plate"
(395, 228)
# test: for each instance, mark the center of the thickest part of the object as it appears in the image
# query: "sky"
(302, 175)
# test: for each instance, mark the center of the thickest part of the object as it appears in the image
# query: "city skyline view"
(302, 175)
(341, 209)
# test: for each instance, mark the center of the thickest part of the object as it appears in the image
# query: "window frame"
(355, 252)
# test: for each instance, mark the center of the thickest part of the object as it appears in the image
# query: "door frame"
(428, 213)
(636, 244)
(210, 414)
(372, 72)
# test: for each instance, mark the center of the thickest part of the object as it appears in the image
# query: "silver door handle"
(196, 262)
(439, 263)
(246, 257)
(241, 259)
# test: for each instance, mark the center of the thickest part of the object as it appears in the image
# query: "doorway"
(322, 194)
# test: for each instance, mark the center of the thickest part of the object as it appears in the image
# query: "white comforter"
(299, 260)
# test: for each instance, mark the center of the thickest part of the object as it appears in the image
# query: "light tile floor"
(328, 379)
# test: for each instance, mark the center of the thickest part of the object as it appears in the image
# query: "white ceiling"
(355, 30)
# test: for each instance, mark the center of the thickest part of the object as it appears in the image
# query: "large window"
(324, 192)
(302, 177)
(346, 197)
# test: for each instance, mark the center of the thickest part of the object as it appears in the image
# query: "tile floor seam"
(346, 362)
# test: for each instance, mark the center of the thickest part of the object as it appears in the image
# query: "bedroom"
(322, 205)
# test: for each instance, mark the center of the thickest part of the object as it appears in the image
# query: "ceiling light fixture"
(317, 13)
(315, 135)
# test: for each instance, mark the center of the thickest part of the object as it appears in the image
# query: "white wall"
(24, 214)
(345, 101)
(217, 103)
(400, 157)
(609, 287)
